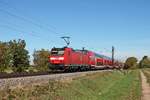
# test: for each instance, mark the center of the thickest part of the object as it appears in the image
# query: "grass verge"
(99, 86)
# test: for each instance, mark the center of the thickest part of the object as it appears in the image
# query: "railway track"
(27, 74)
(25, 80)
(23, 74)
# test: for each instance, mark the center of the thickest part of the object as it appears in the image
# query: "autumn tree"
(20, 57)
(145, 62)
(131, 62)
(41, 59)
(5, 56)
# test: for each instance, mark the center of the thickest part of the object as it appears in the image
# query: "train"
(69, 59)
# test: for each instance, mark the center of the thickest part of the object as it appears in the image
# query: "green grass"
(114, 86)
(100, 86)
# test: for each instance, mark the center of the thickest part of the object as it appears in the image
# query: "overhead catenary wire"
(22, 28)
(23, 18)
(22, 31)
(26, 20)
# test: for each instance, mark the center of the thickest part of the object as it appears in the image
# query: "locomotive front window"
(57, 52)
(60, 52)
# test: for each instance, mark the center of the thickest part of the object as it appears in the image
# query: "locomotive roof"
(58, 48)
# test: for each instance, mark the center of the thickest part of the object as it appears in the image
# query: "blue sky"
(93, 24)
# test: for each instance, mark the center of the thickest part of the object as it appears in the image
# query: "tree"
(131, 62)
(5, 58)
(41, 59)
(19, 54)
(145, 62)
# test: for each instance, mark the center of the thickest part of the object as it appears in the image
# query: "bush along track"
(99, 86)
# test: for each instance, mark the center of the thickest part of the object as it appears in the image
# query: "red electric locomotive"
(69, 59)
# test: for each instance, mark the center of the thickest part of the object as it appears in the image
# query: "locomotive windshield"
(57, 51)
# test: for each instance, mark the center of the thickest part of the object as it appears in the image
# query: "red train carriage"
(70, 59)
(103, 61)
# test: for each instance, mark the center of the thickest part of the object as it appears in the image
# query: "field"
(114, 85)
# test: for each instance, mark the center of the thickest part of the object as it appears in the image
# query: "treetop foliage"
(130, 62)
(145, 62)
(13, 54)
(41, 58)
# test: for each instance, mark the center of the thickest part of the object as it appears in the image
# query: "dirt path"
(145, 88)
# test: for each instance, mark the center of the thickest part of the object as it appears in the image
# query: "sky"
(96, 25)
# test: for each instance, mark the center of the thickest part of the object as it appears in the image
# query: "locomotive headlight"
(52, 58)
(61, 58)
